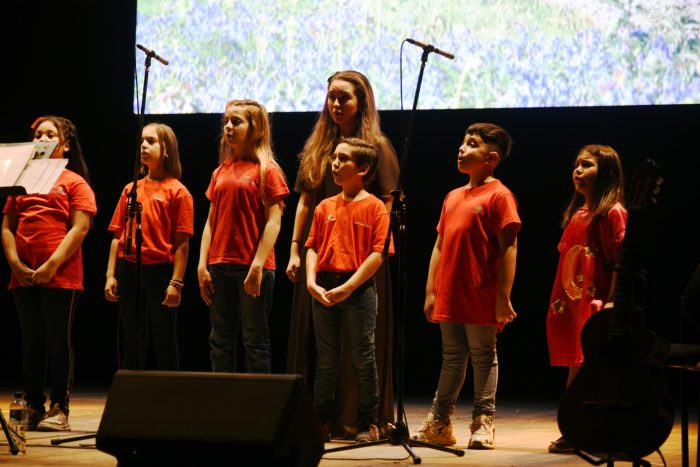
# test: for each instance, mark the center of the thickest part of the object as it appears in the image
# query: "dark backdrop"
(77, 59)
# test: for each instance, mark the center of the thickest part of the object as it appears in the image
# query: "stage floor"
(524, 429)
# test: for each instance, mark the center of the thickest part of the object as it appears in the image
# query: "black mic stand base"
(609, 459)
(399, 436)
(68, 439)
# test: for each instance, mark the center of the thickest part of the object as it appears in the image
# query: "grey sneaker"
(436, 432)
(55, 420)
(483, 433)
(370, 434)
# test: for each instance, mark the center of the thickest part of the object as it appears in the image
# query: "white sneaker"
(55, 420)
(483, 433)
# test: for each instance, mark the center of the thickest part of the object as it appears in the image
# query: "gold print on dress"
(571, 274)
(590, 290)
(557, 307)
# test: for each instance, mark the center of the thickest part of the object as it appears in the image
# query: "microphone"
(430, 48)
(151, 53)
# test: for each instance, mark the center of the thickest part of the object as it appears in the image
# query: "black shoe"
(34, 416)
(326, 432)
(561, 446)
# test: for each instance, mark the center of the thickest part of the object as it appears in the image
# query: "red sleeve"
(312, 240)
(506, 211)
(183, 212)
(81, 196)
(381, 229)
(275, 184)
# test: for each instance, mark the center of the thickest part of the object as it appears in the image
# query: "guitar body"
(618, 403)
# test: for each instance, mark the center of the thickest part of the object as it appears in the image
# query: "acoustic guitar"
(619, 405)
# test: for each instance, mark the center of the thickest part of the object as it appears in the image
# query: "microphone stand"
(133, 213)
(399, 434)
(133, 208)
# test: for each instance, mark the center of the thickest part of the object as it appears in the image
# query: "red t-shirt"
(467, 273)
(43, 222)
(344, 234)
(166, 208)
(238, 213)
(586, 248)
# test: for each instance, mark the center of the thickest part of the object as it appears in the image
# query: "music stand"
(26, 168)
(399, 434)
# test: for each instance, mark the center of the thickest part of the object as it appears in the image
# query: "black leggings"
(46, 319)
(143, 316)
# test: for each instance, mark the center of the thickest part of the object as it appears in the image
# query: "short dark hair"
(494, 135)
(364, 153)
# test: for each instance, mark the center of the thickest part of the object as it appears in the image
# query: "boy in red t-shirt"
(468, 288)
(345, 245)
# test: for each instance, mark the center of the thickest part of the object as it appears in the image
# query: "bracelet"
(296, 241)
(176, 283)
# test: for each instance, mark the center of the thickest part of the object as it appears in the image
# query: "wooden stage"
(523, 432)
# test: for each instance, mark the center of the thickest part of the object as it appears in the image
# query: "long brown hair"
(319, 146)
(169, 150)
(609, 184)
(259, 137)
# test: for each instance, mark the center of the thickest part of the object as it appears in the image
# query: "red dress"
(587, 248)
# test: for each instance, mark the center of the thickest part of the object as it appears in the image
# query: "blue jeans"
(459, 342)
(356, 316)
(231, 308)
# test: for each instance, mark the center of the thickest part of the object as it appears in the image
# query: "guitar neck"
(631, 280)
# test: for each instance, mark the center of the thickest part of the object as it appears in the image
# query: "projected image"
(508, 53)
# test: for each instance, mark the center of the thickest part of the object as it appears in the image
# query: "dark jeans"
(231, 308)
(143, 316)
(46, 320)
(355, 316)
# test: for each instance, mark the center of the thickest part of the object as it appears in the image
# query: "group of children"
(347, 171)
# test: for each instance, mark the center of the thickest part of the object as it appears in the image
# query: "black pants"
(143, 316)
(46, 319)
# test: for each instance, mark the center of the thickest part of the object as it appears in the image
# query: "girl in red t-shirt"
(167, 223)
(236, 268)
(594, 227)
(41, 237)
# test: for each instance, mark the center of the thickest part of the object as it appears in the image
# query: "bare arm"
(173, 294)
(80, 224)
(300, 217)
(429, 304)
(111, 285)
(273, 223)
(508, 244)
(319, 293)
(366, 270)
(387, 171)
(22, 272)
(206, 286)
